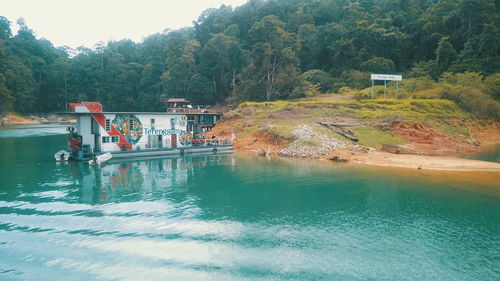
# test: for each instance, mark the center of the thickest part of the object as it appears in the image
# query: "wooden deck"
(180, 151)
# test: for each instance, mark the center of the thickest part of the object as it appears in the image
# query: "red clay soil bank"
(256, 142)
(484, 132)
(420, 138)
(431, 142)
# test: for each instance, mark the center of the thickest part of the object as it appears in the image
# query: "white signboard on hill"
(388, 77)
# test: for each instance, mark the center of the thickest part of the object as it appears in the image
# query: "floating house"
(181, 129)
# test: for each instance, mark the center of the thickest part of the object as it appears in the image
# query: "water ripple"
(237, 218)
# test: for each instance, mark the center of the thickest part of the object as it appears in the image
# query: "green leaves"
(263, 50)
(445, 54)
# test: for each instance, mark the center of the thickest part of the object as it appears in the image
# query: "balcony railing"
(194, 110)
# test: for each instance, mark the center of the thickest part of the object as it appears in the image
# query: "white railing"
(192, 110)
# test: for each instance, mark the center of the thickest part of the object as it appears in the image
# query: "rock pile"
(309, 144)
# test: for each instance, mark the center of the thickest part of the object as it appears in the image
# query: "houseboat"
(181, 129)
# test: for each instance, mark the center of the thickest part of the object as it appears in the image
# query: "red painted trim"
(101, 119)
(91, 106)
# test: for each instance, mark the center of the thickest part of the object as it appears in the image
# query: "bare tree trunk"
(66, 91)
(270, 77)
(274, 70)
(268, 85)
(215, 85)
(233, 81)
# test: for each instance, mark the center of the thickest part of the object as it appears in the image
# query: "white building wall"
(84, 126)
(163, 125)
(110, 146)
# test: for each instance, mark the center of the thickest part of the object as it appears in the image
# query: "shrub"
(367, 93)
(466, 79)
(418, 84)
(319, 78)
(473, 100)
(356, 79)
(492, 86)
(425, 68)
(378, 65)
(305, 89)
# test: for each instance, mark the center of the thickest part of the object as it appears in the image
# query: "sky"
(77, 23)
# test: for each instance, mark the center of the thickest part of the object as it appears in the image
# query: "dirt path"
(415, 161)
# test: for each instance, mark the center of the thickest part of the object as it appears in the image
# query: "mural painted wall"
(127, 131)
(132, 134)
(137, 130)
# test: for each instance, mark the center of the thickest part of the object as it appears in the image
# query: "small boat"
(62, 156)
(100, 159)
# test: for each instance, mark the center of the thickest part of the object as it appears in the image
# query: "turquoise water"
(491, 154)
(237, 217)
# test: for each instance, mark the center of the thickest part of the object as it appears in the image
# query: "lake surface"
(489, 153)
(237, 217)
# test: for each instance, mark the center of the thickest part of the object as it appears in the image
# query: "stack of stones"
(309, 144)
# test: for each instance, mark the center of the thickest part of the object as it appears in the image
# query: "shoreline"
(419, 162)
(262, 146)
(11, 119)
(370, 157)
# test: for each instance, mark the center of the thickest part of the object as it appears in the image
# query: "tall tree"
(274, 54)
(445, 54)
(488, 42)
(180, 51)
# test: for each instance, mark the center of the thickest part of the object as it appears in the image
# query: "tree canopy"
(262, 50)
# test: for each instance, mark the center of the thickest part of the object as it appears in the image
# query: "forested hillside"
(263, 50)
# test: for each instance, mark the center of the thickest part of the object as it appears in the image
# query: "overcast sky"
(85, 22)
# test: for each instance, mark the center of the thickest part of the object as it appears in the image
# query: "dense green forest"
(263, 50)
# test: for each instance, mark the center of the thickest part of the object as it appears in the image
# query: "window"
(95, 127)
(108, 125)
(152, 123)
(131, 124)
(159, 138)
(105, 139)
(114, 139)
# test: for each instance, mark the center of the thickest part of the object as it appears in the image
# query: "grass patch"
(279, 118)
(374, 137)
(325, 131)
(308, 142)
(409, 109)
(460, 132)
(261, 114)
(282, 129)
(246, 131)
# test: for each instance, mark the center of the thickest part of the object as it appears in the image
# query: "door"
(97, 143)
(173, 140)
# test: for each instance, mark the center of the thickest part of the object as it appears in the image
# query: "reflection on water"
(237, 217)
(110, 182)
(20, 131)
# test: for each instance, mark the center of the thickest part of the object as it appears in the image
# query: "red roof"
(90, 106)
(177, 100)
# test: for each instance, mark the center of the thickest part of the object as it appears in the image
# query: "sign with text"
(163, 132)
(388, 77)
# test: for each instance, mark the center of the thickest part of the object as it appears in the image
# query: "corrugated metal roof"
(177, 100)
